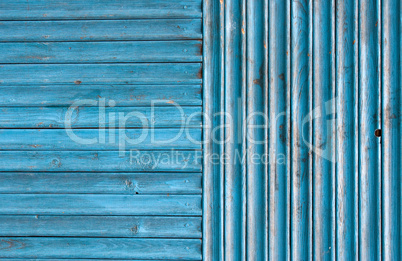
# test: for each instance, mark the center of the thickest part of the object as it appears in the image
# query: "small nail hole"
(377, 133)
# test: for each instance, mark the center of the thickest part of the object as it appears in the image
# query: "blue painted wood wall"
(321, 77)
(315, 87)
(63, 200)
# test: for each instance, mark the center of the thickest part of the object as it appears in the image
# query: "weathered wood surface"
(118, 95)
(99, 139)
(88, 117)
(99, 226)
(99, 161)
(257, 172)
(300, 173)
(152, 73)
(391, 147)
(97, 30)
(84, 259)
(279, 128)
(100, 183)
(95, 9)
(80, 259)
(347, 118)
(100, 205)
(328, 73)
(59, 63)
(369, 60)
(101, 52)
(113, 248)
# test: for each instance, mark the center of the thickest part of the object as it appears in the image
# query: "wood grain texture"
(391, 173)
(233, 171)
(130, 65)
(153, 73)
(101, 52)
(81, 259)
(121, 95)
(279, 128)
(369, 112)
(347, 169)
(257, 172)
(93, 9)
(177, 161)
(100, 226)
(323, 131)
(99, 139)
(213, 91)
(301, 156)
(88, 117)
(100, 183)
(100, 205)
(97, 30)
(113, 248)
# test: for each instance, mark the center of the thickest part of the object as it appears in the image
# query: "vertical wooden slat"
(391, 130)
(369, 121)
(300, 133)
(243, 111)
(233, 134)
(212, 181)
(278, 129)
(221, 126)
(289, 130)
(346, 189)
(323, 147)
(256, 171)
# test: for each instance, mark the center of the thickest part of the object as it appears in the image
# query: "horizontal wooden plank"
(100, 161)
(100, 183)
(99, 139)
(105, 205)
(100, 226)
(98, 30)
(101, 52)
(117, 248)
(80, 259)
(95, 9)
(81, 95)
(88, 117)
(154, 73)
